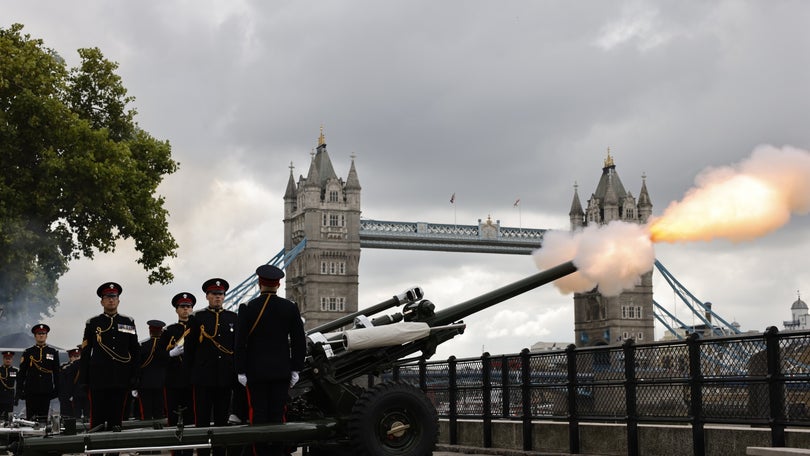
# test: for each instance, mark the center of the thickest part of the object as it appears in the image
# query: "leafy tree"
(76, 174)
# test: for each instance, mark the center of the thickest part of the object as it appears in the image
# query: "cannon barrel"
(479, 303)
(348, 365)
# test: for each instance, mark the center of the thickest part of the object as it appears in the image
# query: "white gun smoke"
(738, 203)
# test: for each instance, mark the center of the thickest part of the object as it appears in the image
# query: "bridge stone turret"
(600, 320)
(325, 210)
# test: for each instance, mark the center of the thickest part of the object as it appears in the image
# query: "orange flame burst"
(740, 203)
(737, 208)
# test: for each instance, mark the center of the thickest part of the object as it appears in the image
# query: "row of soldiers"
(190, 370)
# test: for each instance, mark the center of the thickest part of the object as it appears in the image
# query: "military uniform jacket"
(110, 352)
(209, 347)
(39, 371)
(8, 379)
(153, 371)
(68, 378)
(178, 369)
(270, 339)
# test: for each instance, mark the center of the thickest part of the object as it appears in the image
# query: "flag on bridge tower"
(517, 203)
(453, 198)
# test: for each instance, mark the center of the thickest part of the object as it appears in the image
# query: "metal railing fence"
(760, 379)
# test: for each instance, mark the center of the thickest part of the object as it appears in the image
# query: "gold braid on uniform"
(173, 343)
(35, 362)
(151, 353)
(210, 337)
(261, 312)
(3, 381)
(115, 356)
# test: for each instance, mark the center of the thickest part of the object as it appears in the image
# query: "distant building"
(800, 314)
(704, 330)
(600, 320)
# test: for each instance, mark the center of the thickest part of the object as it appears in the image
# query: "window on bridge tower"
(333, 267)
(333, 304)
(631, 312)
(333, 196)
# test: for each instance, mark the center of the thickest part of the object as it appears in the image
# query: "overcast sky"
(492, 101)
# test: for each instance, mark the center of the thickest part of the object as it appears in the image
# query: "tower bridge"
(324, 234)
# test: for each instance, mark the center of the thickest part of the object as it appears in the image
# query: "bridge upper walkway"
(486, 237)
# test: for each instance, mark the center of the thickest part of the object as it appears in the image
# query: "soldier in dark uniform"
(209, 347)
(110, 359)
(269, 353)
(68, 374)
(171, 347)
(8, 379)
(153, 375)
(38, 378)
(81, 403)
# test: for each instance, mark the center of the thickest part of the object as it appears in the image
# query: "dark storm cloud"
(492, 101)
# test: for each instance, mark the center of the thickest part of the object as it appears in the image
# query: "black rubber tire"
(393, 419)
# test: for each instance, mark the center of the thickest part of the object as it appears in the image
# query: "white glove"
(293, 378)
(242, 379)
(134, 393)
(177, 351)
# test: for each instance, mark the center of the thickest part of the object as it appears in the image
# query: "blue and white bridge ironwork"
(486, 237)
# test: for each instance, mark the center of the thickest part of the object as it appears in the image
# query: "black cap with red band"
(109, 289)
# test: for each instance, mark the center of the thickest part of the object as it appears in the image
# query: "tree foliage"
(76, 174)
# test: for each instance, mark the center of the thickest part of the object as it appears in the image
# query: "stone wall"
(611, 439)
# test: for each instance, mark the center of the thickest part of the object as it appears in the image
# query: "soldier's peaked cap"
(73, 351)
(41, 327)
(215, 284)
(8, 353)
(155, 324)
(268, 272)
(184, 298)
(109, 288)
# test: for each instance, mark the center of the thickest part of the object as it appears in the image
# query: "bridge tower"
(600, 320)
(325, 210)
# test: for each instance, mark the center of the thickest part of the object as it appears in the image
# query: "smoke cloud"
(738, 203)
(612, 256)
(741, 202)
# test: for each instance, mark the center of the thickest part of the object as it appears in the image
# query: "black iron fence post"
(452, 392)
(573, 391)
(629, 350)
(526, 394)
(486, 400)
(696, 396)
(505, 396)
(423, 374)
(776, 387)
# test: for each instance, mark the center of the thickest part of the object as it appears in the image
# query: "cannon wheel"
(393, 419)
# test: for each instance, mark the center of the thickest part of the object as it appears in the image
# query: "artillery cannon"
(329, 413)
